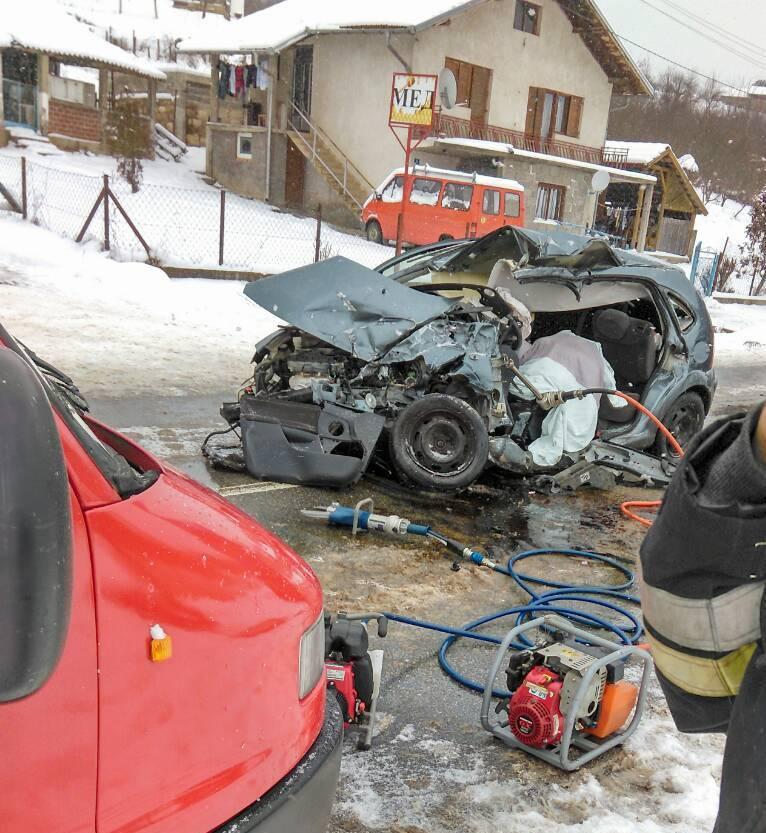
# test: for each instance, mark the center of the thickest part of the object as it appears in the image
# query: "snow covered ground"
(121, 328)
(176, 211)
(740, 331)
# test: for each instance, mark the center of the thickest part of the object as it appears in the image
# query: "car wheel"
(374, 232)
(684, 418)
(439, 442)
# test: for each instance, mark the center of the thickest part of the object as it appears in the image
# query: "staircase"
(340, 173)
(167, 145)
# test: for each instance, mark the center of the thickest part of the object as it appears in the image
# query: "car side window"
(512, 204)
(682, 312)
(491, 203)
(457, 196)
(393, 191)
(425, 191)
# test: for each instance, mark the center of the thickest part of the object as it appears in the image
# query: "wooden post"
(43, 86)
(318, 242)
(646, 214)
(107, 243)
(221, 228)
(24, 187)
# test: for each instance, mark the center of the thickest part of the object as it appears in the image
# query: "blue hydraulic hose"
(611, 598)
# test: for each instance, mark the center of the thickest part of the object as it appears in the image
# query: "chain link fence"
(204, 228)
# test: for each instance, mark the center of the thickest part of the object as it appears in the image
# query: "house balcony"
(450, 127)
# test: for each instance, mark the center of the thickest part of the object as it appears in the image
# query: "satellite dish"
(600, 181)
(447, 89)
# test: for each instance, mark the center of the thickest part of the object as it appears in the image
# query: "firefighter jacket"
(703, 571)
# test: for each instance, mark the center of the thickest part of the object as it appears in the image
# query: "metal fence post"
(318, 242)
(221, 228)
(24, 187)
(107, 242)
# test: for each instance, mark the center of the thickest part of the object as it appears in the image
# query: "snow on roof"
(447, 173)
(616, 174)
(639, 153)
(689, 164)
(42, 27)
(276, 27)
(758, 88)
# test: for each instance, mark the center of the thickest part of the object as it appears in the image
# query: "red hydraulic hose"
(629, 505)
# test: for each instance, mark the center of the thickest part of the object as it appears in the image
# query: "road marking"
(253, 488)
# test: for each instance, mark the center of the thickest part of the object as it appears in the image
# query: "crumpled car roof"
(347, 305)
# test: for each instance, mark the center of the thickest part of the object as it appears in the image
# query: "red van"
(442, 205)
(161, 654)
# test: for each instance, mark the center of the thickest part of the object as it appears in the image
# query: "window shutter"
(480, 94)
(538, 18)
(575, 116)
(534, 111)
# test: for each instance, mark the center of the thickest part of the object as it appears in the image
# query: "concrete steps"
(337, 170)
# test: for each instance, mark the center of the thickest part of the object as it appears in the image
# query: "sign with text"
(413, 98)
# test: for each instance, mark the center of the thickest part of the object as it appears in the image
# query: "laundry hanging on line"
(236, 80)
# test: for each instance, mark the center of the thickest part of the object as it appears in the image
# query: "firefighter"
(703, 571)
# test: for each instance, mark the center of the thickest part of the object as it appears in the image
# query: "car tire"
(439, 442)
(684, 418)
(374, 232)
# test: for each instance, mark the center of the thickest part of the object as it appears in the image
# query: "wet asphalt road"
(428, 725)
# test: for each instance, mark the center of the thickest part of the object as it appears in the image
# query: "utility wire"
(737, 40)
(738, 53)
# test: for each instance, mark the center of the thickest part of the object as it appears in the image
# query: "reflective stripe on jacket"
(703, 570)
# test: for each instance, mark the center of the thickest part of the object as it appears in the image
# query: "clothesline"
(235, 80)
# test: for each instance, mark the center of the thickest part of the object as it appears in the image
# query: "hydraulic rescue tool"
(567, 700)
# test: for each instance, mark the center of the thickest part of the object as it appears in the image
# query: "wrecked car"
(425, 364)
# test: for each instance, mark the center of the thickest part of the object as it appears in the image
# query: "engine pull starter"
(567, 692)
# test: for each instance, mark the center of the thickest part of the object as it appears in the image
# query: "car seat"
(630, 346)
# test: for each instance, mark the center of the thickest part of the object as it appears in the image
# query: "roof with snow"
(475, 146)
(284, 24)
(659, 155)
(44, 28)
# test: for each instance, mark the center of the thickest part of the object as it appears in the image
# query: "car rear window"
(512, 204)
(491, 204)
(457, 196)
(425, 191)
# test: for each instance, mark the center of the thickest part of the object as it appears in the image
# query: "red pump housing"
(535, 708)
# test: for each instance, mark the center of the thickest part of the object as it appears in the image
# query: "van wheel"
(446, 237)
(374, 232)
(684, 418)
(439, 442)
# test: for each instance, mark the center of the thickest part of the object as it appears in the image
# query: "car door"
(458, 215)
(422, 221)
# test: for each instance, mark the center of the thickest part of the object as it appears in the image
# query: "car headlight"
(311, 663)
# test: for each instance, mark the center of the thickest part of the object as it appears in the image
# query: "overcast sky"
(744, 20)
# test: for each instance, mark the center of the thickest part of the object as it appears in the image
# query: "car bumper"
(302, 801)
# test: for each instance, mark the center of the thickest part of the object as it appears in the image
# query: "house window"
(393, 191)
(550, 202)
(473, 87)
(527, 17)
(491, 203)
(512, 205)
(550, 112)
(244, 145)
(457, 196)
(425, 191)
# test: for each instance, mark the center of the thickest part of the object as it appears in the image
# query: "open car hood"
(347, 305)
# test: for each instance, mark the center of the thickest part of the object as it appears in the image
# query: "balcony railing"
(450, 127)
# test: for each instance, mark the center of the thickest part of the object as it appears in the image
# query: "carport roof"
(47, 29)
(479, 147)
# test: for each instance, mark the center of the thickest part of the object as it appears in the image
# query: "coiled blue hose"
(611, 598)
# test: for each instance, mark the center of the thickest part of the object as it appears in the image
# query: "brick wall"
(74, 120)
